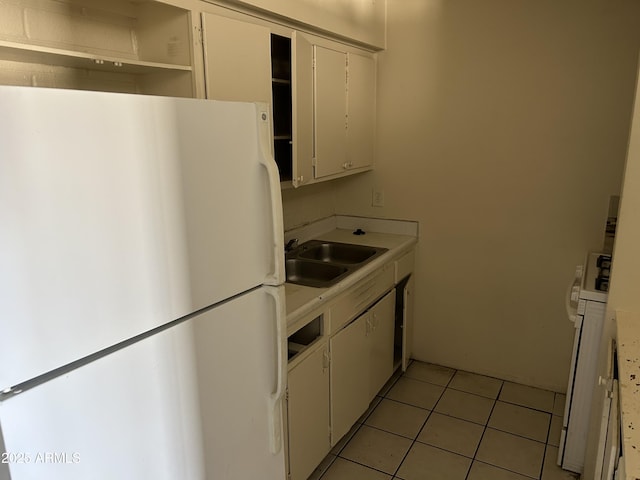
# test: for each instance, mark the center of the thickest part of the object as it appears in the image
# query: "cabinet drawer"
(360, 296)
(404, 265)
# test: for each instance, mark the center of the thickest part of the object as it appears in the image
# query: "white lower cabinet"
(308, 407)
(330, 112)
(349, 376)
(361, 363)
(380, 343)
(407, 322)
(342, 356)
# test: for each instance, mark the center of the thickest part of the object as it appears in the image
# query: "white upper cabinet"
(335, 103)
(120, 46)
(361, 109)
(322, 92)
(237, 59)
(330, 112)
(302, 104)
(363, 21)
(344, 114)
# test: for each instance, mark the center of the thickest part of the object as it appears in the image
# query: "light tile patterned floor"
(436, 423)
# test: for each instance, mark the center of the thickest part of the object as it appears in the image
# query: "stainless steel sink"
(318, 263)
(313, 274)
(342, 253)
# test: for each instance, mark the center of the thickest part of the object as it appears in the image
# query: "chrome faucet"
(291, 244)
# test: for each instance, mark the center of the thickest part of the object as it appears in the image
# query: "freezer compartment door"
(193, 401)
(122, 212)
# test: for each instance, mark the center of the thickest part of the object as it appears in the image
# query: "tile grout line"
(387, 389)
(506, 470)
(395, 474)
(360, 425)
(484, 430)
(361, 464)
(546, 444)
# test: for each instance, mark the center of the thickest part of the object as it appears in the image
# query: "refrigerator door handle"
(277, 277)
(275, 399)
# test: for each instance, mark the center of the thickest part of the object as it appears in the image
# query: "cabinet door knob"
(345, 165)
(326, 360)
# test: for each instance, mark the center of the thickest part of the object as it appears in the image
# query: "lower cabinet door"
(381, 341)
(407, 323)
(349, 376)
(308, 409)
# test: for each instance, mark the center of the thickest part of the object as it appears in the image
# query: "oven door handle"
(573, 294)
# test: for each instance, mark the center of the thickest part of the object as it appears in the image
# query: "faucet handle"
(291, 244)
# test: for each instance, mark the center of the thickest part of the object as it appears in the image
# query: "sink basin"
(342, 253)
(319, 263)
(313, 274)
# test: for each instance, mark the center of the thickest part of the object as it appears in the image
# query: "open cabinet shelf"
(18, 52)
(282, 105)
(132, 47)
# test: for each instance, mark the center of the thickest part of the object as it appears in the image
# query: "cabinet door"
(237, 59)
(302, 105)
(361, 110)
(407, 323)
(308, 409)
(349, 376)
(612, 442)
(330, 112)
(380, 340)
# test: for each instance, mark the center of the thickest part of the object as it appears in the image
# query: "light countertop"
(301, 300)
(628, 344)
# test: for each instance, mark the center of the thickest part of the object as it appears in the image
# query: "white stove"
(595, 282)
(586, 305)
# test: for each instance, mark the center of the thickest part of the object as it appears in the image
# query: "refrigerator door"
(122, 212)
(193, 401)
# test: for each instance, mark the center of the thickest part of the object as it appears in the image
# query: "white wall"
(502, 129)
(308, 204)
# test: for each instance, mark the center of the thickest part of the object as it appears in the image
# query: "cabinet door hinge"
(286, 394)
(199, 36)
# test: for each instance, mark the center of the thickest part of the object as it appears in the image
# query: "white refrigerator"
(141, 288)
